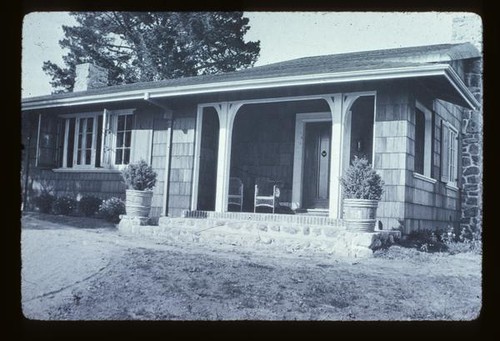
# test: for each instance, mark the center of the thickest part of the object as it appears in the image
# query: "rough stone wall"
(468, 28)
(472, 153)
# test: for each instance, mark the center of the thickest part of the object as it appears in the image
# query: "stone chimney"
(90, 76)
(468, 27)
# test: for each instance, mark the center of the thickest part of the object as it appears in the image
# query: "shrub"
(361, 181)
(89, 205)
(44, 202)
(111, 209)
(466, 241)
(64, 205)
(426, 241)
(139, 176)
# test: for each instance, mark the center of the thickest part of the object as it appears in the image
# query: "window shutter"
(445, 143)
(48, 141)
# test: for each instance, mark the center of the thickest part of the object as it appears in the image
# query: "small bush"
(89, 205)
(44, 202)
(139, 176)
(426, 241)
(361, 181)
(111, 209)
(465, 241)
(64, 205)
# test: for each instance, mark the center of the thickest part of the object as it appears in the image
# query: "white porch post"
(197, 157)
(335, 104)
(227, 113)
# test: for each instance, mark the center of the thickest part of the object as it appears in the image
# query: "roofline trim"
(253, 84)
(461, 88)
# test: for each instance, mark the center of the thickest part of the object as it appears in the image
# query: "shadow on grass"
(35, 221)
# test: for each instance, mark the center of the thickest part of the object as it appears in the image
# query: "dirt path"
(95, 273)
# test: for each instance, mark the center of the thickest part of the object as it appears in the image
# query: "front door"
(317, 165)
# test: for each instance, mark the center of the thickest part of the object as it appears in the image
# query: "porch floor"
(285, 231)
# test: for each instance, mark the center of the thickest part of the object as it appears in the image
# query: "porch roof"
(419, 61)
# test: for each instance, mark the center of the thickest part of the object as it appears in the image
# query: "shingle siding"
(182, 159)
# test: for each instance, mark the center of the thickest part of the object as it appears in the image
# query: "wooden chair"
(235, 195)
(267, 194)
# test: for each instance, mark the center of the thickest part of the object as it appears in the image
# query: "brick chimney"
(90, 76)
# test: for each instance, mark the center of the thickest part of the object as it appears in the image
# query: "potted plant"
(140, 179)
(362, 190)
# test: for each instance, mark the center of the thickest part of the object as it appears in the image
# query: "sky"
(282, 35)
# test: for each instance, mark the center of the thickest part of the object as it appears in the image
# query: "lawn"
(149, 279)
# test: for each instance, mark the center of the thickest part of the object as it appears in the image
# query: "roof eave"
(262, 83)
(455, 80)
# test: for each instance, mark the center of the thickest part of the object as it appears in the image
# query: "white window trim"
(452, 182)
(84, 143)
(107, 161)
(113, 133)
(424, 178)
(427, 139)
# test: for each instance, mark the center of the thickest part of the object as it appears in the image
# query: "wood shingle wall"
(392, 151)
(182, 160)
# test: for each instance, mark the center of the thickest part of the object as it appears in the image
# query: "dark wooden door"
(316, 189)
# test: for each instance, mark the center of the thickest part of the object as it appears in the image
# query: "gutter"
(455, 80)
(263, 83)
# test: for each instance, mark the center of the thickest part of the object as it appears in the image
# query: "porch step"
(333, 240)
(313, 212)
(301, 219)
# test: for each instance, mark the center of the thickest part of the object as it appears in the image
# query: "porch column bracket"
(227, 113)
(348, 102)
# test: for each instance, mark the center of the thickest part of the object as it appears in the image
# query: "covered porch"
(302, 144)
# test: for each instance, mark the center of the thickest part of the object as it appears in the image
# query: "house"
(411, 111)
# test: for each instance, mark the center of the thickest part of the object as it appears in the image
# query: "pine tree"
(151, 46)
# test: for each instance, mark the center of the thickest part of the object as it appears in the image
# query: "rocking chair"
(235, 196)
(267, 194)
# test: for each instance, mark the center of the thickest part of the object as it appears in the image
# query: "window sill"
(425, 178)
(85, 170)
(451, 187)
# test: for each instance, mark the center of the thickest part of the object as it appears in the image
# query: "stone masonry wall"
(468, 28)
(472, 151)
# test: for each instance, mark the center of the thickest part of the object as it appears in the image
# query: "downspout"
(168, 115)
(26, 177)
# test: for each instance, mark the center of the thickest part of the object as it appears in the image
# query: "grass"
(198, 282)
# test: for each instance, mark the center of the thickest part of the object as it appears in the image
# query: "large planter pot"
(359, 214)
(138, 203)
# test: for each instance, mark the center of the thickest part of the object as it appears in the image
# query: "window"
(419, 141)
(123, 138)
(97, 140)
(449, 154)
(423, 140)
(48, 141)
